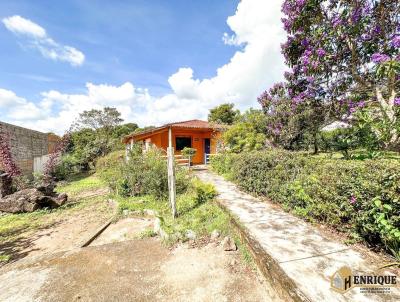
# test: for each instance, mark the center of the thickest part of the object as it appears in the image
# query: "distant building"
(200, 135)
(28, 145)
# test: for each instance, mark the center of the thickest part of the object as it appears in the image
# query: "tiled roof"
(193, 124)
(196, 124)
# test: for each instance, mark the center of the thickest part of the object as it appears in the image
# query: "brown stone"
(29, 200)
(228, 244)
(5, 184)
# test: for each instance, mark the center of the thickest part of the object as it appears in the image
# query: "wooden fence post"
(171, 174)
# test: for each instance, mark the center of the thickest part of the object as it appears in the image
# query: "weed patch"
(197, 211)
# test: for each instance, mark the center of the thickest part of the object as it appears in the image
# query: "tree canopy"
(95, 119)
(344, 55)
(247, 133)
(95, 134)
(344, 65)
(223, 114)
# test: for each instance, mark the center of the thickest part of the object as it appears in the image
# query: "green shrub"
(341, 139)
(68, 165)
(204, 191)
(222, 163)
(358, 197)
(142, 174)
(110, 170)
(189, 153)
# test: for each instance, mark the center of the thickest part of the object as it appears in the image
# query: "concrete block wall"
(26, 144)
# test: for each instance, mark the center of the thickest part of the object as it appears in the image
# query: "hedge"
(357, 197)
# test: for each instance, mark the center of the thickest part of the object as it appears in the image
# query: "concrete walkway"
(300, 259)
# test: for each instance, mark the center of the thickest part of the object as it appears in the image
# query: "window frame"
(186, 137)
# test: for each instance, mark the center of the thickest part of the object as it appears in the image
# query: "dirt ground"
(134, 270)
(119, 266)
(61, 232)
(124, 229)
(69, 232)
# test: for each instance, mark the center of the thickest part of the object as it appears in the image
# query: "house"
(200, 135)
(28, 146)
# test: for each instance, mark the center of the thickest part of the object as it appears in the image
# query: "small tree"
(223, 114)
(288, 122)
(103, 123)
(54, 157)
(189, 153)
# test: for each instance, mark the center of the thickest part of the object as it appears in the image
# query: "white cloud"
(8, 98)
(36, 37)
(255, 66)
(230, 39)
(183, 85)
(22, 26)
(19, 108)
(125, 98)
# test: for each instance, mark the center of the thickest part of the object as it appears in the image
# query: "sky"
(156, 61)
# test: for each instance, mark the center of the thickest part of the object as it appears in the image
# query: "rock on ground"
(215, 235)
(228, 244)
(191, 235)
(5, 184)
(29, 200)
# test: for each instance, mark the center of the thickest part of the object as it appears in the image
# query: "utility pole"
(171, 174)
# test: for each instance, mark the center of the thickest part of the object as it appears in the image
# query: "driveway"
(134, 270)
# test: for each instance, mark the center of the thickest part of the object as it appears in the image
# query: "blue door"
(207, 149)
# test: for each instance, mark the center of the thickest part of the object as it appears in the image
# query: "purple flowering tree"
(344, 55)
(7, 162)
(290, 121)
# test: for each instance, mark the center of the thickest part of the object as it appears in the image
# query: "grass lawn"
(80, 183)
(14, 227)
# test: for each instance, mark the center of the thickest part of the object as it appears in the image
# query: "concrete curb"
(100, 230)
(159, 230)
(271, 270)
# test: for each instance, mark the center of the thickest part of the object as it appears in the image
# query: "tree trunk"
(315, 136)
(389, 114)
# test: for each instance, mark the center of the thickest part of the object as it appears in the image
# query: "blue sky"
(155, 60)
